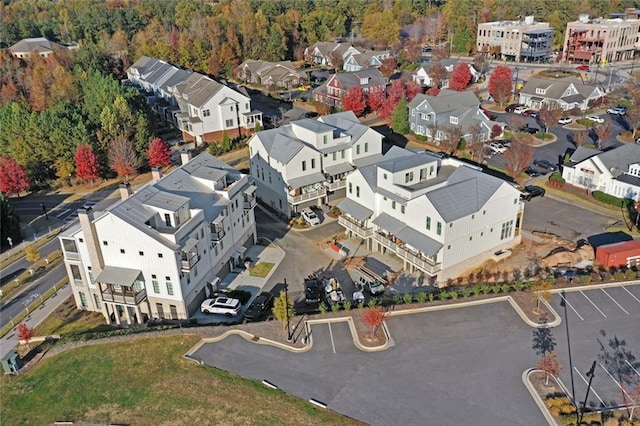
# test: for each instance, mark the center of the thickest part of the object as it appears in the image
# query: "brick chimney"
(125, 190)
(156, 174)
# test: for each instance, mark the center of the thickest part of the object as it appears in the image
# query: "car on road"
(530, 130)
(545, 165)
(260, 306)
(512, 107)
(617, 110)
(498, 148)
(583, 68)
(565, 120)
(532, 171)
(532, 191)
(310, 217)
(221, 305)
(531, 113)
(520, 109)
(595, 118)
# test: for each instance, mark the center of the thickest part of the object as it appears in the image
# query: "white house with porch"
(563, 94)
(159, 251)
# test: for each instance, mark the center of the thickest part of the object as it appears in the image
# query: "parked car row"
(230, 307)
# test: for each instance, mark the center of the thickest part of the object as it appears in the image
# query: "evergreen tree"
(400, 117)
(9, 223)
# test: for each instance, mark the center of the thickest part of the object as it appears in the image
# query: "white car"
(595, 118)
(498, 148)
(565, 120)
(310, 217)
(221, 305)
(520, 110)
(617, 110)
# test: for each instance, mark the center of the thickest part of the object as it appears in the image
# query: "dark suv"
(311, 291)
(260, 307)
(531, 191)
(545, 165)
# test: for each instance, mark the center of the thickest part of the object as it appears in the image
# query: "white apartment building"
(526, 41)
(158, 252)
(434, 213)
(599, 41)
(305, 163)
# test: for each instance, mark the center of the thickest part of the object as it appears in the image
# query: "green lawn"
(262, 269)
(146, 382)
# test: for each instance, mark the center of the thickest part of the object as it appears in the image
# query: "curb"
(536, 398)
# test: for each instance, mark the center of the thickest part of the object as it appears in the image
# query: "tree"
(159, 153)
(354, 100)
(9, 223)
(122, 156)
(437, 73)
(603, 131)
(412, 89)
(500, 84)
(518, 156)
(433, 91)
(475, 144)
(373, 317)
(550, 365)
(13, 177)
(388, 67)
(543, 340)
(633, 117)
(375, 98)
(496, 131)
(87, 165)
(400, 117)
(516, 122)
(283, 309)
(32, 254)
(540, 291)
(460, 77)
(580, 137)
(480, 62)
(64, 170)
(550, 114)
(336, 59)
(25, 334)
(450, 143)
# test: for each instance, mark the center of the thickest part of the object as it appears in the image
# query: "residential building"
(559, 93)
(44, 47)
(615, 172)
(158, 252)
(305, 163)
(425, 77)
(520, 41)
(433, 116)
(282, 75)
(332, 90)
(600, 41)
(434, 213)
(202, 108)
(323, 52)
(365, 60)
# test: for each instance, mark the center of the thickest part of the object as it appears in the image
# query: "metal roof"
(119, 276)
(354, 209)
(307, 180)
(389, 223)
(337, 169)
(419, 241)
(166, 201)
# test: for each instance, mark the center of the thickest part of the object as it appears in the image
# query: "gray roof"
(619, 159)
(351, 79)
(582, 154)
(354, 209)
(41, 44)
(280, 143)
(389, 223)
(404, 163)
(555, 88)
(337, 169)
(315, 126)
(446, 101)
(306, 180)
(347, 122)
(166, 201)
(419, 241)
(117, 275)
(630, 179)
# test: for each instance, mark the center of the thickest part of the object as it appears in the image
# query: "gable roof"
(582, 154)
(556, 88)
(350, 79)
(41, 44)
(619, 159)
(447, 100)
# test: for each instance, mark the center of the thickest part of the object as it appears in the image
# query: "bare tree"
(480, 62)
(451, 142)
(516, 122)
(437, 73)
(633, 90)
(336, 59)
(603, 131)
(440, 53)
(475, 142)
(123, 158)
(580, 137)
(633, 117)
(549, 114)
(518, 156)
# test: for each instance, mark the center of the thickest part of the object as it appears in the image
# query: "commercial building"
(520, 41)
(158, 252)
(41, 45)
(625, 254)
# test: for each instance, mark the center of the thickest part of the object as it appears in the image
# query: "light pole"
(563, 303)
(590, 374)
(286, 297)
(44, 210)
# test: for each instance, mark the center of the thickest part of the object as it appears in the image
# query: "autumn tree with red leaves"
(159, 153)
(87, 165)
(460, 77)
(518, 156)
(13, 177)
(122, 156)
(412, 89)
(433, 91)
(354, 100)
(375, 98)
(388, 67)
(437, 73)
(25, 334)
(550, 365)
(395, 92)
(373, 317)
(500, 84)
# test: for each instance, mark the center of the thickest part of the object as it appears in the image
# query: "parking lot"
(604, 326)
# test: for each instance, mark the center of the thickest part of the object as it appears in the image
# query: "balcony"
(189, 260)
(307, 196)
(122, 295)
(354, 227)
(249, 198)
(385, 241)
(419, 261)
(217, 233)
(335, 185)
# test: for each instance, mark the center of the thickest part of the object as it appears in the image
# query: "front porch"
(123, 296)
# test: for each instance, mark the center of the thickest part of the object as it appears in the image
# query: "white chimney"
(528, 20)
(185, 156)
(125, 190)
(156, 174)
(584, 18)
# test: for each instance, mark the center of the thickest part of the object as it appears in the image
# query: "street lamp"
(563, 303)
(590, 374)
(44, 210)
(286, 297)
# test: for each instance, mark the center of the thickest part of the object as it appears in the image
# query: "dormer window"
(364, 80)
(453, 120)
(540, 91)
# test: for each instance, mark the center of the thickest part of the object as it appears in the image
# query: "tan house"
(44, 47)
(279, 74)
(526, 41)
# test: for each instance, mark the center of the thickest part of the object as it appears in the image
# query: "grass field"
(262, 269)
(146, 382)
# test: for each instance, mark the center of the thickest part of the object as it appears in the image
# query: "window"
(160, 255)
(104, 243)
(160, 310)
(324, 139)
(507, 228)
(384, 176)
(357, 191)
(393, 205)
(484, 212)
(342, 154)
(334, 155)
(451, 225)
(156, 286)
(96, 299)
(122, 251)
(83, 299)
(473, 216)
(428, 224)
(408, 177)
(439, 228)
(449, 247)
(304, 166)
(91, 280)
(357, 149)
(453, 120)
(206, 113)
(470, 238)
(138, 285)
(402, 209)
(423, 174)
(229, 123)
(141, 253)
(167, 219)
(350, 188)
(169, 288)
(81, 240)
(366, 147)
(75, 272)
(313, 163)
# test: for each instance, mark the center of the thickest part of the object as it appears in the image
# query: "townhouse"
(527, 40)
(283, 75)
(439, 215)
(159, 251)
(364, 60)
(202, 108)
(425, 77)
(324, 52)
(305, 163)
(333, 90)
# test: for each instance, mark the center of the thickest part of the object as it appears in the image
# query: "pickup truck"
(333, 291)
(365, 281)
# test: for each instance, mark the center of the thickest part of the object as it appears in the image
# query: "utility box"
(11, 362)
(625, 254)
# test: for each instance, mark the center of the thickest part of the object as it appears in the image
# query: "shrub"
(444, 295)
(630, 274)
(610, 199)
(476, 290)
(347, 305)
(372, 303)
(421, 297)
(361, 304)
(556, 177)
(462, 144)
(431, 297)
(397, 299)
(335, 307)
(505, 288)
(485, 288)
(407, 298)
(586, 122)
(619, 276)
(495, 288)
(466, 292)
(585, 279)
(421, 138)
(519, 286)
(323, 308)
(454, 294)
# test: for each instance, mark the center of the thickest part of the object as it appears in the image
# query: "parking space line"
(614, 301)
(630, 294)
(569, 305)
(594, 305)
(632, 367)
(586, 382)
(62, 212)
(615, 381)
(333, 344)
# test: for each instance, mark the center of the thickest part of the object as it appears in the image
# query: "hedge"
(556, 177)
(610, 199)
